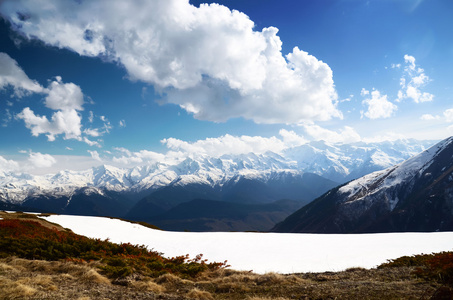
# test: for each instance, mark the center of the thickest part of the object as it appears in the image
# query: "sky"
(84, 83)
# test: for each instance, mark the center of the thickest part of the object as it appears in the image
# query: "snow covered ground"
(266, 252)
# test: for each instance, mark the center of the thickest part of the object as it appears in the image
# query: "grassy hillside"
(41, 260)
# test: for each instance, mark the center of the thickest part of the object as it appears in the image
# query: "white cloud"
(291, 139)
(67, 122)
(429, 117)
(128, 158)
(91, 117)
(64, 96)
(412, 81)
(90, 142)
(122, 123)
(7, 165)
(66, 99)
(95, 155)
(207, 59)
(378, 106)
(345, 135)
(93, 132)
(410, 61)
(12, 75)
(448, 114)
(388, 136)
(7, 118)
(226, 144)
(40, 160)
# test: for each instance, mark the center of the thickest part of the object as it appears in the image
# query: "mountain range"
(258, 182)
(416, 195)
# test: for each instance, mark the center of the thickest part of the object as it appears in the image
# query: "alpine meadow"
(231, 149)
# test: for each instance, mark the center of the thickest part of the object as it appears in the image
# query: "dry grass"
(10, 289)
(266, 298)
(25, 279)
(38, 280)
(199, 294)
(93, 276)
(149, 286)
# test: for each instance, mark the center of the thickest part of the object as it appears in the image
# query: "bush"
(436, 267)
(29, 239)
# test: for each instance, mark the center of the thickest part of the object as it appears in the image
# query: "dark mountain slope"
(416, 195)
(239, 189)
(209, 215)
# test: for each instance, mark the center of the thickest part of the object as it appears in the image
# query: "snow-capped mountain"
(344, 162)
(333, 161)
(416, 195)
(16, 188)
(144, 192)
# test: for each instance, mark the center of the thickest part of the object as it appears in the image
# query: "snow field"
(266, 252)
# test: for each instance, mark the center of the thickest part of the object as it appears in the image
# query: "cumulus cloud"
(413, 79)
(66, 122)
(40, 160)
(378, 105)
(207, 59)
(65, 98)
(11, 75)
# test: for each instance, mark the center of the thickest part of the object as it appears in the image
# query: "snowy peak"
(335, 162)
(200, 169)
(415, 195)
(343, 162)
(408, 171)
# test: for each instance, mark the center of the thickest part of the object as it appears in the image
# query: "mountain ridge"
(332, 161)
(415, 195)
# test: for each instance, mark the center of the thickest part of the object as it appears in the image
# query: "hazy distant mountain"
(416, 195)
(344, 162)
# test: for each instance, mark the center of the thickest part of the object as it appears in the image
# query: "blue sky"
(90, 82)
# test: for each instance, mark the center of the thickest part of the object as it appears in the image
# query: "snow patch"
(266, 252)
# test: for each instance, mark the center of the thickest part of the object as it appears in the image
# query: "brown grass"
(38, 279)
(149, 286)
(26, 279)
(93, 276)
(10, 289)
(199, 294)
